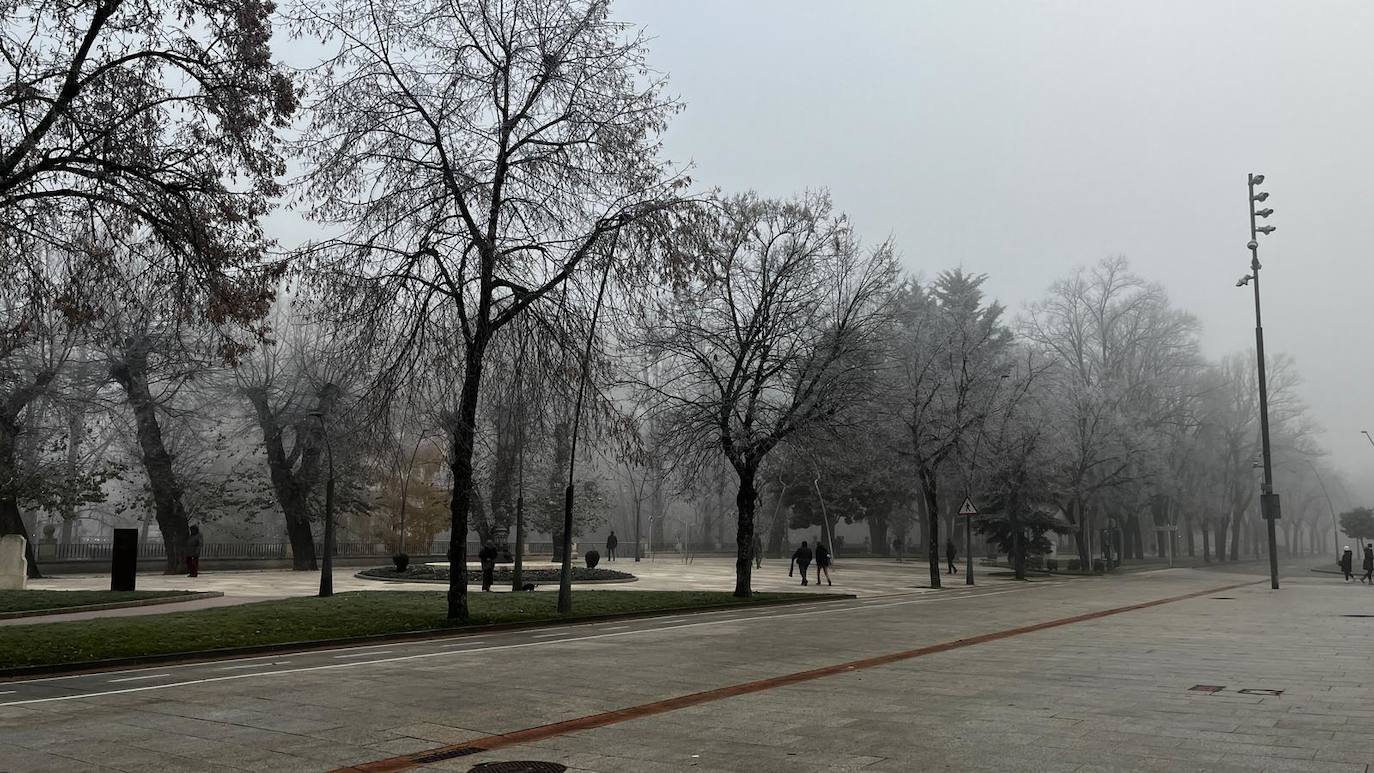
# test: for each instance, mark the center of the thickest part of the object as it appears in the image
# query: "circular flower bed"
(502, 576)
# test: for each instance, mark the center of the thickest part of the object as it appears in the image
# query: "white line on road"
(462, 644)
(6, 692)
(253, 665)
(363, 654)
(493, 648)
(136, 678)
(546, 635)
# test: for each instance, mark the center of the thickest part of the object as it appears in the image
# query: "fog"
(1023, 139)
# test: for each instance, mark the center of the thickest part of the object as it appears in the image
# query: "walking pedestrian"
(951, 553)
(822, 562)
(1368, 564)
(801, 560)
(193, 552)
(757, 549)
(1346, 561)
(611, 542)
(487, 557)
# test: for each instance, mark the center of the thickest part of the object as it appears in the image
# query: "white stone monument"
(14, 567)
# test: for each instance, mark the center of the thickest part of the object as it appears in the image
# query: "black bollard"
(124, 559)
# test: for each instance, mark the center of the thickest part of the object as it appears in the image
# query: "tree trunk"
(1188, 524)
(132, 374)
(932, 500)
(1219, 537)
(289, 488)
(744, 531)
(1206, 544)
(877, 535)
(1137, 538)
(460, 464)
(1237, 517)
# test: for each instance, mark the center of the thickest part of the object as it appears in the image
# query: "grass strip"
(35, 600)
(345, 615)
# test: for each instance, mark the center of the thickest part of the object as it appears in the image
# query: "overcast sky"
(1022, 139)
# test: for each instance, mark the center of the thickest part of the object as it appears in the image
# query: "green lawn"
(357, 613)
(34, 600)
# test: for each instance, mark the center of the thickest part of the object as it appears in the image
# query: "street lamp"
(327, 564)
(1269, 501)
(1365, 432)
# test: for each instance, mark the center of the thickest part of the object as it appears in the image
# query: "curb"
(205, 594)
(7, 674)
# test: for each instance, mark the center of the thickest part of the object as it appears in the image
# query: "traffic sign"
(967, 508)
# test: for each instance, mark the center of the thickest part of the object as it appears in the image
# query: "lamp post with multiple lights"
(1269, 501)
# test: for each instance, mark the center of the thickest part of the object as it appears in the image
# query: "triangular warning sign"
(967, 507)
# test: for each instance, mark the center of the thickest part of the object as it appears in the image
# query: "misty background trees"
(475, 178)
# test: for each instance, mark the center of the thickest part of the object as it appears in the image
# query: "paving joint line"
(616, 716)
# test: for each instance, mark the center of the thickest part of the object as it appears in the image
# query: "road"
(1081, 675)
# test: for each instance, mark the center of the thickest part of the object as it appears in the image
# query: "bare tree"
(952, 350)
(1118, 349)
(148, 116)
(778, 338)
(475, 154)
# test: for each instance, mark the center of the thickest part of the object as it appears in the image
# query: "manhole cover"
(447, 754)
(519, 766)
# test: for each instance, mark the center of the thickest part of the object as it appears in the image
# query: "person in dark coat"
(822, 562)
(1346, 561)
(756, 548)
(611, 542)
(801, 560)
(487, 557)
(951, 553)
(193, 542)
(1368, 565)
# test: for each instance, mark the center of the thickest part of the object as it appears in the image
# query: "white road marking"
(136, 678)
(363, 654)
(253, 665)
(462, 644)
(615, 628)
(546, 635)
(7, 692)
(492, 648)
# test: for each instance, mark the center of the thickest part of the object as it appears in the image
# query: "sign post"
(968, 511)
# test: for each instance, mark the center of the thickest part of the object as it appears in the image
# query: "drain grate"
(531, 766)
(447, 754)
(1206, 688)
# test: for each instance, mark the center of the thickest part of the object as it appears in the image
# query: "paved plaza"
(860, 576)
(1086, 693)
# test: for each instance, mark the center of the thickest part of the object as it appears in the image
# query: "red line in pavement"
(603, 719)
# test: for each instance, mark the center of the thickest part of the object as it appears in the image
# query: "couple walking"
(802, 560)
(1347, 563)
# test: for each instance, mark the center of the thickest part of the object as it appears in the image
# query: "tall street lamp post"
(1365, 432)
(1269, 501)
(327, 565)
